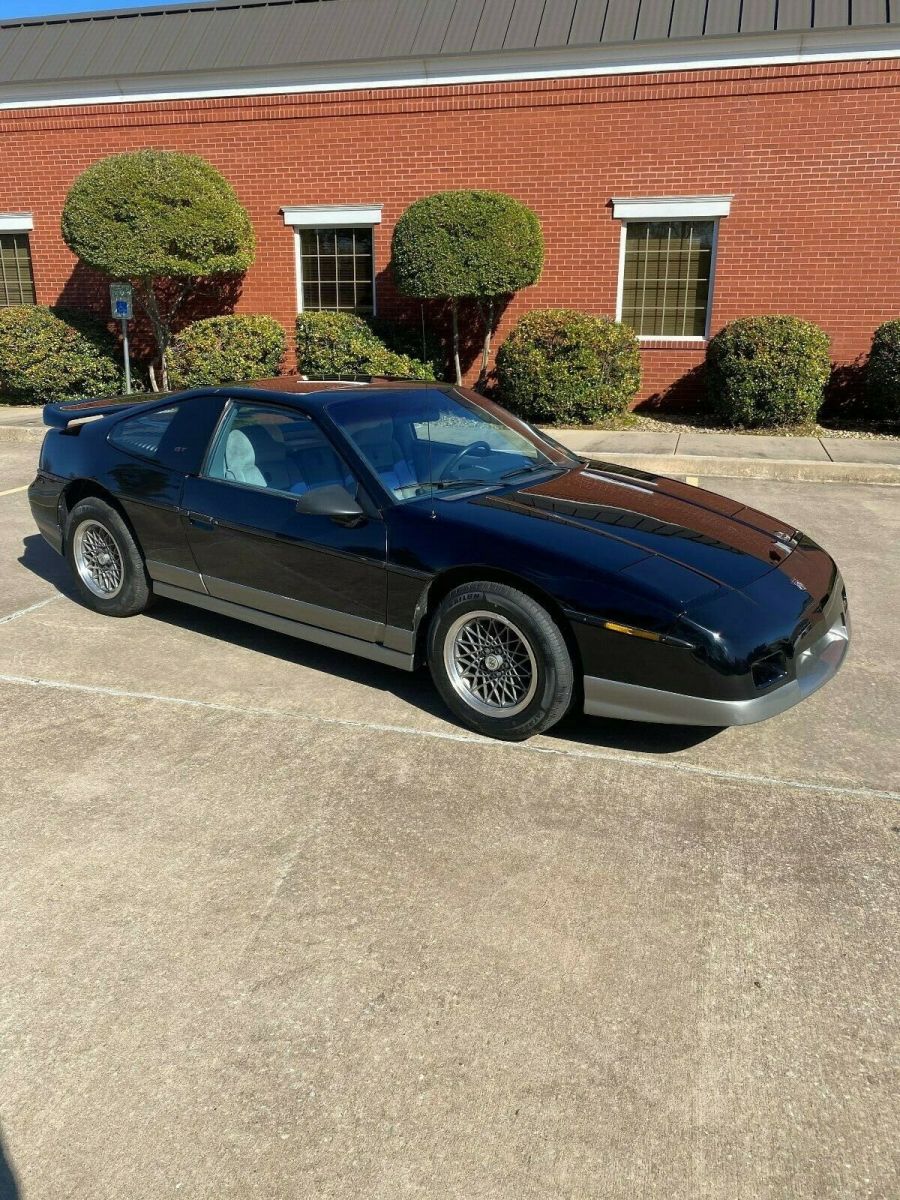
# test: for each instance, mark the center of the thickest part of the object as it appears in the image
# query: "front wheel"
(500, 661)
(105, 560)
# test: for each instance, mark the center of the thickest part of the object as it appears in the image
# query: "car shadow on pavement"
(38, 558)
(415, 689)
(643, 737)
(9, 1189)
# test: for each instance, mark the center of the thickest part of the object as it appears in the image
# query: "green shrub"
(768, 371)
(467, 244)
(881, 398)
(56, 354)
(226, 350)
(404, 337)
(562, 367)
(169, 222)
(333, 345)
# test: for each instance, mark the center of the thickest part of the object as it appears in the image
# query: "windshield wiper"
(530, 469)
(440, 484)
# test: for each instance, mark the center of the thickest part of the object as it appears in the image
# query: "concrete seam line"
(23, 612)
(12, 491)
(441, 735)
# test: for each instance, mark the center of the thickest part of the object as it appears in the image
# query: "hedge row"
(567, 368)
(557, 366)
(49, 354)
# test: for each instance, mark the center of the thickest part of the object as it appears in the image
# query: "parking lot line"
(22, 612)
(12, 491)
(682, 768)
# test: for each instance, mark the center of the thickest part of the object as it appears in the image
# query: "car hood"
(698, 540)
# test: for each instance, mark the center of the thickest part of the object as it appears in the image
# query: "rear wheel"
(500, 661)
(105, 560)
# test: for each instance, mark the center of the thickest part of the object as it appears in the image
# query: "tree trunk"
(158, 382)
(454, 314)
(488, 318)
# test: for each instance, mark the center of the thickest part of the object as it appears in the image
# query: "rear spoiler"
(60, 416)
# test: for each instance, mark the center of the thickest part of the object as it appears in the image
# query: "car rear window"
(143, 434)
(175, 435)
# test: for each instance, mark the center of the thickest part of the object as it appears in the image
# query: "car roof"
(316, 394)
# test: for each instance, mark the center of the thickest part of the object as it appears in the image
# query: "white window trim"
(671, 208)
(327, 215)
(16, 223)
(330, 216)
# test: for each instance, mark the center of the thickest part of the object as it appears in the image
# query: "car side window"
(174, 436)
(275, 449)
(143, 433)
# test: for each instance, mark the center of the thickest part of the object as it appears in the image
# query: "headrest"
(239, 454)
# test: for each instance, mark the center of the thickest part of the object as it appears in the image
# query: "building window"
(667, 273)
(336, 269)
(334, 247)
(16, 281)
(667, 264)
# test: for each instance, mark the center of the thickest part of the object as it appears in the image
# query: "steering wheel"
(482, 448)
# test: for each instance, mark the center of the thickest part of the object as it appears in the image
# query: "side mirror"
(331, 501)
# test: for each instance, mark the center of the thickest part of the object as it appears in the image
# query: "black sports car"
(415, 523)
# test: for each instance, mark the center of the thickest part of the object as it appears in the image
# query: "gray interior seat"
(379, 444)
(239, 462)
(272, 459)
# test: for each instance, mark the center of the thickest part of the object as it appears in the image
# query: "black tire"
(95, 530)
(539, 675)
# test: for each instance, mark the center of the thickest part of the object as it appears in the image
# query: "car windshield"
(422, 440)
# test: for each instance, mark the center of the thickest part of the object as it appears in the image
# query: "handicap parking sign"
(120, 301)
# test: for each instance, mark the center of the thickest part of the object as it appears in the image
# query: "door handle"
(201, 522)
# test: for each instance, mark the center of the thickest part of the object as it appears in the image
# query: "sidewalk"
(726, 455)
(20, 424)
(742, 455)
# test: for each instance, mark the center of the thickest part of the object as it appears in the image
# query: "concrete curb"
(781, 470)
(22, 433)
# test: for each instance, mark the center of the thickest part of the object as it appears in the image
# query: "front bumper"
(629, 701)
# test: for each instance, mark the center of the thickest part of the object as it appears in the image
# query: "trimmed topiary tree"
(768, 371)
(226, 350)
(338, 344)
(472, 245)
(166, 221)
(562, 367)
(882, 377)
(56, 354)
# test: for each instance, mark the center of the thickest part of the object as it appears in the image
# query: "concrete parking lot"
(271, 925)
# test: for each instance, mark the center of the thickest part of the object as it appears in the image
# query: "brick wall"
(810, 154)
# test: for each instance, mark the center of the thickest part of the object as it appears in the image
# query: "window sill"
(672, 343)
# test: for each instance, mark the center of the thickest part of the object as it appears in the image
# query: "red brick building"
(691, 161)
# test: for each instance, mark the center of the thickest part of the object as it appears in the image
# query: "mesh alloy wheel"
(490, 664)
(98, 560)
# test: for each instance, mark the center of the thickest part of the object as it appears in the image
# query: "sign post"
(120, 302)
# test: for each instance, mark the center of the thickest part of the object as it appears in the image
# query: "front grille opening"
(768, 671)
